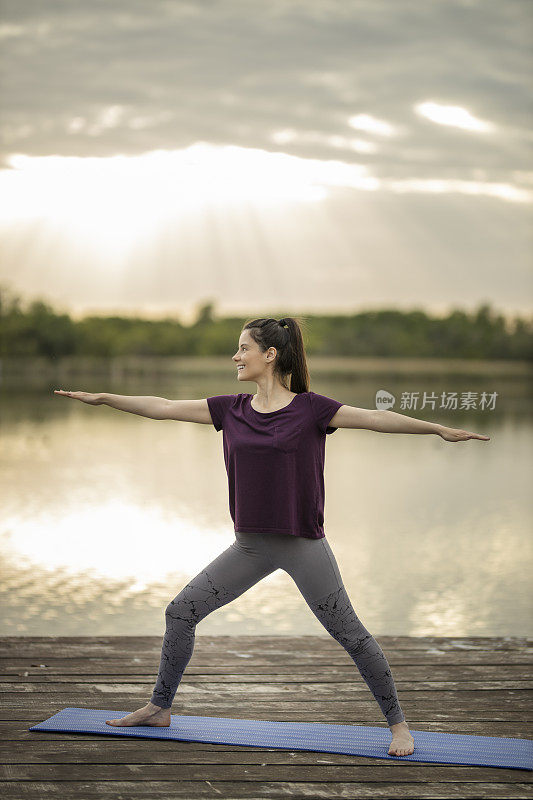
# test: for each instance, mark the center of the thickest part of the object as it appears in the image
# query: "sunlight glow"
(175, 180)
(455, 116)
(114, 201)
(501, 191)
(292, 136)
(111, 204)
(113, 540)
(365, 122)
(113, 117)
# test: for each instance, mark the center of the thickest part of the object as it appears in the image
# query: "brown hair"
(288, 341)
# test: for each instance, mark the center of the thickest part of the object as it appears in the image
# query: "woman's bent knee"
(168, 610)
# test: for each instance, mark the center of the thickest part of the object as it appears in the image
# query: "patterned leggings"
(252, 556)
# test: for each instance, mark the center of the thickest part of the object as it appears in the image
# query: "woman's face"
(251, 362)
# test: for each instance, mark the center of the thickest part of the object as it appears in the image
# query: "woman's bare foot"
(147, 715)
(402, 743)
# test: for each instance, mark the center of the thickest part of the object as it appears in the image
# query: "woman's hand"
(458, 435)
(85, 397)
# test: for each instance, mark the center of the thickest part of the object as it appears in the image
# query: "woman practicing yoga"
(274, 447)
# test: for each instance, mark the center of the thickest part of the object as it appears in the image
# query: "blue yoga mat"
(353, 740)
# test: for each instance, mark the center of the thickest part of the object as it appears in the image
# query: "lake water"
(107, 515)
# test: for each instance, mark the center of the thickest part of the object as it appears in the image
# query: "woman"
(274, 446)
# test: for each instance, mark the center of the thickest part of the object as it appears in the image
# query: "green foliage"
(39, 330)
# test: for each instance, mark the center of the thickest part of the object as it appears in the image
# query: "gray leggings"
(252, 556)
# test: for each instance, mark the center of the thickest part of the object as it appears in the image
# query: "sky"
(299, 155)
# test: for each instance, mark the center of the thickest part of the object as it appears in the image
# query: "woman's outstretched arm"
(147, 406)
(153, 407)
(386, 421)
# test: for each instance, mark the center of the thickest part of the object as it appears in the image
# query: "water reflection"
(107, 515)
(111, 539)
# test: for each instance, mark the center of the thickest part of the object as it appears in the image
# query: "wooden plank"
(256, 645)
(263, 697)
(356, 712)
(311, 771)
(295, 660)
(259, 790)
(511, 703)
(268, 643)
(277, 640)
(305, 689)
(249, 672)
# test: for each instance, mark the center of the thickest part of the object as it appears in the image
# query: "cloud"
(344, 78)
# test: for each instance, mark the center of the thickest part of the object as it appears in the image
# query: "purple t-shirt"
(275, 462)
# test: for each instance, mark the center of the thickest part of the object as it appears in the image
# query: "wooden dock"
(477, 685)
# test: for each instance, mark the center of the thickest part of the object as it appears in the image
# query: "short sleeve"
(218, 406)
(324, 408)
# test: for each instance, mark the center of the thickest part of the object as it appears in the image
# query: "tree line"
(36, 329)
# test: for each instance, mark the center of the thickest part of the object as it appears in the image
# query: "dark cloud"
(236, 72)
